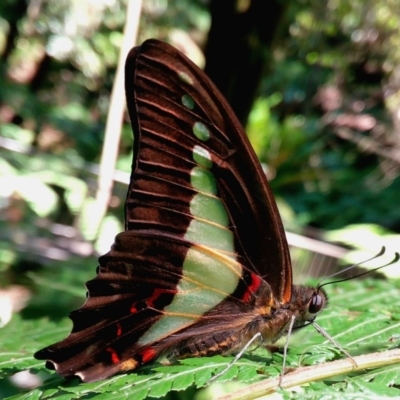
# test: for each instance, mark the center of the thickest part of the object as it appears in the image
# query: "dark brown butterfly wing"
(158, 80)
(202, 227)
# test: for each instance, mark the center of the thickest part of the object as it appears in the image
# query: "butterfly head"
(317, 302)
(307, 303)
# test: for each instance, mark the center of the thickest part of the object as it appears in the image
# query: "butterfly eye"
(316, 304)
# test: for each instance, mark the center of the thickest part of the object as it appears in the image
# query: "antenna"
(382, 251)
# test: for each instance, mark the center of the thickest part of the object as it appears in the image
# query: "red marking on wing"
(119, 329)
(252, 288)
(156, 293)
(133, 309)
(148, 354)
(114, 355)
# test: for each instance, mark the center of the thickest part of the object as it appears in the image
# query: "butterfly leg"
(248, 344)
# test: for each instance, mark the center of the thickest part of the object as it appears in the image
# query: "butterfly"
(203, 264)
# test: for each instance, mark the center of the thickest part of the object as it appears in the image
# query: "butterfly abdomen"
(217, 343)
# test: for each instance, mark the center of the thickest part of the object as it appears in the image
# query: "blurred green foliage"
(327, 113)
(325, 123)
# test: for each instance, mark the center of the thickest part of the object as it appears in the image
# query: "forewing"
(177, 113)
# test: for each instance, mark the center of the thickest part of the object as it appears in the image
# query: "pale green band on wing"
(209, 208)
(203, 180)
(201, 131)
(188, 101)
(210, 235)
(207, 281)
(184, 77)
(209, 275)
(202, 157)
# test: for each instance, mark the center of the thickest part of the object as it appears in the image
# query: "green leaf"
(362, 316)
